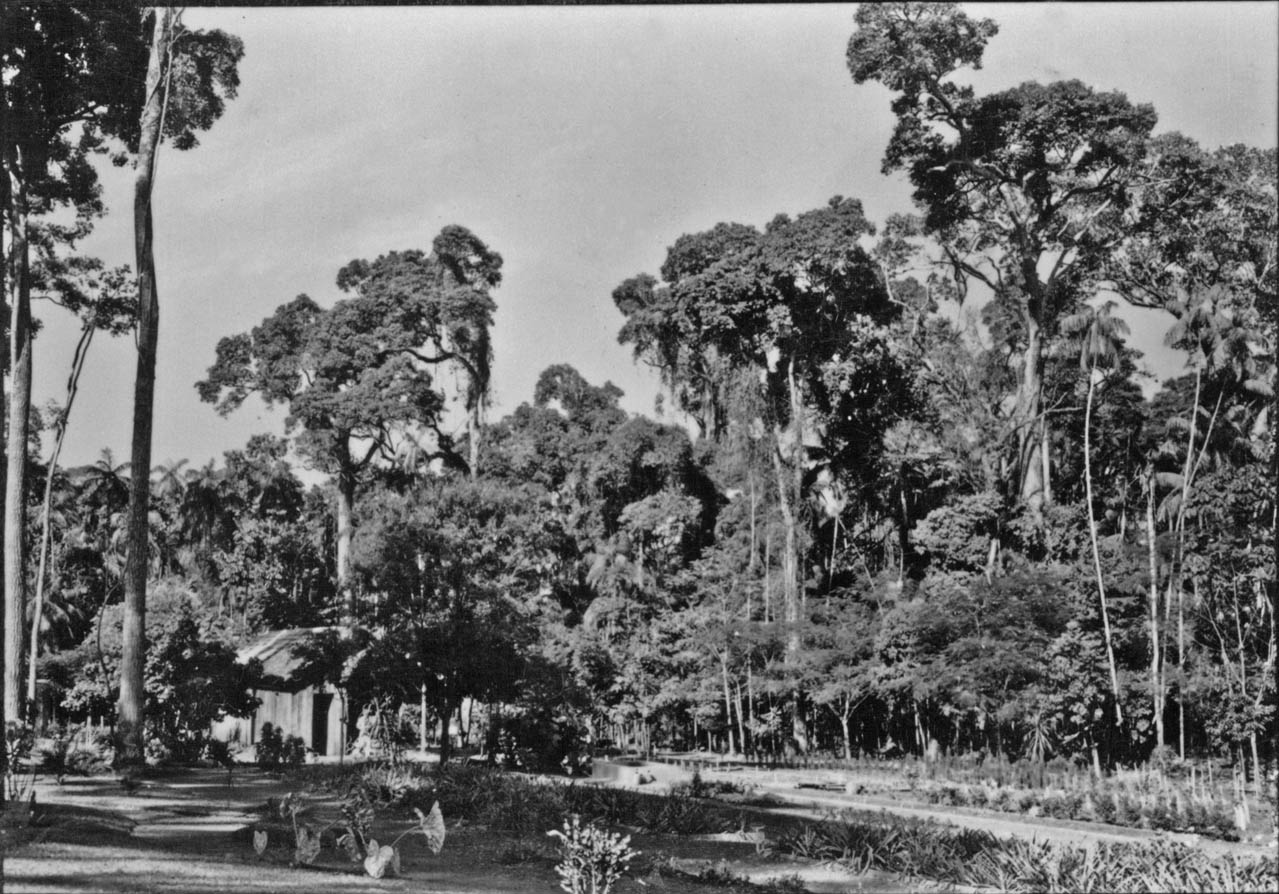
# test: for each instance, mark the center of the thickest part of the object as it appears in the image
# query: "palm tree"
(107, 485)
(1100, 337)
(1221, 349)
(203, 511)
(168, 479)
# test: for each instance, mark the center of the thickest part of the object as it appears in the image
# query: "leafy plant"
(275, 750)
(55, 759)
(19, 739)
(592, 859)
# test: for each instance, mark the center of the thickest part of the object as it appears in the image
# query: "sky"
(577, 142)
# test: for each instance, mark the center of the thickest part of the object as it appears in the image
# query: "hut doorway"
(320, 722)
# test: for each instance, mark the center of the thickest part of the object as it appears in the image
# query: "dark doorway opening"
(320, 722)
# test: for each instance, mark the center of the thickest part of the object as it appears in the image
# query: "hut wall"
(292, 713)
(289, 712)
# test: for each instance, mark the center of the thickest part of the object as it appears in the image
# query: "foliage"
(275, 751)
(919, 849)
(899, 528)
(592, 859)
(356, 844)
(192, 675)
(19, 781)
(366, 358)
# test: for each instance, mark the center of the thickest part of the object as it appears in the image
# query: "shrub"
(55, 759)
(275, 750)
(19, 738)
(391, 784)
(592, 860)
(192, 675)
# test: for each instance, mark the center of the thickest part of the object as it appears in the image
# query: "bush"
(19, 739)
(394, 784)
(192, 675)
(592, 860)
(276, 751)
(55, 759)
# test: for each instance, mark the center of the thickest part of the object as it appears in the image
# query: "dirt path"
(183, 834)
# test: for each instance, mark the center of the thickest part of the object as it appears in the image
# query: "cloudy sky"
(578, 142)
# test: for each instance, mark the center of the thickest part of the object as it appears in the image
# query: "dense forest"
(907, 490)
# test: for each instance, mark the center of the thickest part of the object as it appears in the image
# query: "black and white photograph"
(727, 448)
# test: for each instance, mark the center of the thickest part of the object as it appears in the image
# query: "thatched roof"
(280, 661)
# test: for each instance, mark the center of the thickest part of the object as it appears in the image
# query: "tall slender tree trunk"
(728, 703)
(446, 743)
(1028, 417)
(848, 742)
(421, 720)
(1156, 686)
(1045, 459)
(5, 205)
(474, 423)
(15, 504)
(1096, 552)
(1176, 577)
(345, 510)
(130, 720)
(37, 613)
(1181, 675)
(741, 716)
(790, 491)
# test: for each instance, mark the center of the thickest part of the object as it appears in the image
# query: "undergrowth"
(861, 842)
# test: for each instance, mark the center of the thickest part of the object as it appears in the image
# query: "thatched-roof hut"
(313, 713)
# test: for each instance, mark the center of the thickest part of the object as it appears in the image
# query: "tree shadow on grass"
(177, 834)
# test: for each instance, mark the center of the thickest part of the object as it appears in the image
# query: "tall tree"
(1100, 337)
(111, 310)
(359, 379)
(66, 86)
(1023, 188)
(801, 307)
(189, 76)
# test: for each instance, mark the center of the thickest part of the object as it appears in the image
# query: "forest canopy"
(907, 490)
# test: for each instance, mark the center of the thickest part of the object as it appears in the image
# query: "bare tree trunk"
(446, 743)
(473, 439)
(1156, 689)
(792, 587)
(1181, 675)
(37, 614)
(741, 721)
(1028, 417)
(6, 190)
(15, 504)
(421, 721)
(728, 704)
(345, 509)
(1045, 455)
(768, 581)
(1096, 552)
(130, 720)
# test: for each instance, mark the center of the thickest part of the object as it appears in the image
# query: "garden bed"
(497, 825)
